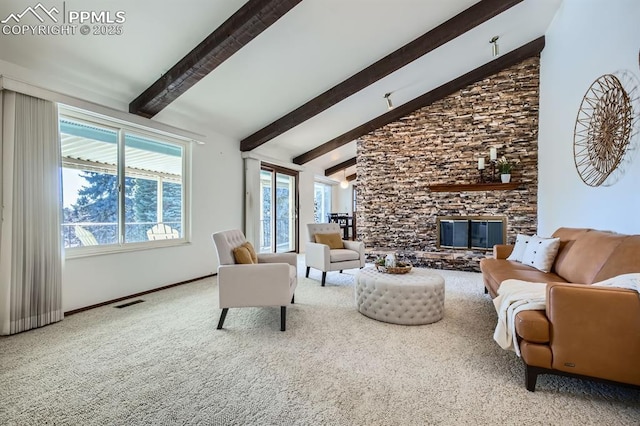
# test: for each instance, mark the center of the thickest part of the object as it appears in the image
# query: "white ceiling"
(315, 46)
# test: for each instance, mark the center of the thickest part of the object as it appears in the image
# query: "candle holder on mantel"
(494, 166)
(489, 178)
(493, 177)
(493, 159)
(481, 169)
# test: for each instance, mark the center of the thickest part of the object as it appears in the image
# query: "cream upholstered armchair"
(271, 281)
(324, 258)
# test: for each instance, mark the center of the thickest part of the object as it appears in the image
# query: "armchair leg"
(283, 317)
(223, 315)
(340, 270)
(324, 278)
(486, 291)
(307, 274)
(293, 299)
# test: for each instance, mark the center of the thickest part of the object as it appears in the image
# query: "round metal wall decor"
(603, 131)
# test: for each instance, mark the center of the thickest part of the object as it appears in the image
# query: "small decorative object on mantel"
(481, 169)
(499, 164)
(493, 158)
(391, 265)
(505, 166)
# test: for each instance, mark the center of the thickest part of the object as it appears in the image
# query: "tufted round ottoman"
(408, 299)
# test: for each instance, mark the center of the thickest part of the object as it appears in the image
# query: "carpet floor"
(162, 362)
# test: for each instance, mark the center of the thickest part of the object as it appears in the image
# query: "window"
(321, 202)
(121, 185)
(278, 207)
(354, 199)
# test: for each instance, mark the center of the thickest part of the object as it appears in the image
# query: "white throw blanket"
(629, 281)
(515, 296)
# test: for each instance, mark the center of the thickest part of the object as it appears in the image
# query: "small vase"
(505, 177)
(390, 261)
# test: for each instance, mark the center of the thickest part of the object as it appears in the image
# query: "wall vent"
(126, 305)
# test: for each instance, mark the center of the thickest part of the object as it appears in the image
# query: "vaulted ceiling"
(294, 79)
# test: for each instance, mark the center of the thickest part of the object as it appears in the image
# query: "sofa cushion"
(343, 255)
(541, 252)
(587, 256)
(494, 271)
(334, 241)
(530, 274)
(570, 234)
(489, 265)
(623, 260)
(567, 237)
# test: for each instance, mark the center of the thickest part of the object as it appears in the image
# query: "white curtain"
(30, 242)
(252, 198)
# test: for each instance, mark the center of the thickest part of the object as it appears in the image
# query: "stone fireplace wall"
(441, 144)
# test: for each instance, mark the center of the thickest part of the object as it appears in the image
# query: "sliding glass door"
(278, 210)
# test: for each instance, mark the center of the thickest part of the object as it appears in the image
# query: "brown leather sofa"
(585, 331)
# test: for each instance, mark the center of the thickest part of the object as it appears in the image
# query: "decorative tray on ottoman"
(402, 269)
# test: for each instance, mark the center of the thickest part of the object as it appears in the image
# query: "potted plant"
(391, 265)
(505, 166)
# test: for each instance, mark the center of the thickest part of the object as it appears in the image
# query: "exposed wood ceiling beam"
(443, 33)
(528, 50)
(247, 23)
(352, 177)
(339, 167)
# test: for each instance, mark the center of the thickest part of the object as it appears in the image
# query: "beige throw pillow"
(242, 256)
(252, 251)
(541, 252)
(334, 241)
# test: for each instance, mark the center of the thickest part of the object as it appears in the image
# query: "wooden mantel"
(460, 187)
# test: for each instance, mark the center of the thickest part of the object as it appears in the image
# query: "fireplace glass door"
(471, 232)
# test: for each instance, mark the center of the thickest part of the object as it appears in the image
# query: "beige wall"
(588, 38)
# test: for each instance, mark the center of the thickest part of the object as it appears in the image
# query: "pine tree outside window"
(100, 158)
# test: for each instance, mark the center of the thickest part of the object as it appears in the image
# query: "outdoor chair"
(86, 237)
(162, 232)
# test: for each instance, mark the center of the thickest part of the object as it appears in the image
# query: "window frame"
(274, 171)
(326, 200)
(123, 127)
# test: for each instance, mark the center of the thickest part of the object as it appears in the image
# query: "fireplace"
(471, 232)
